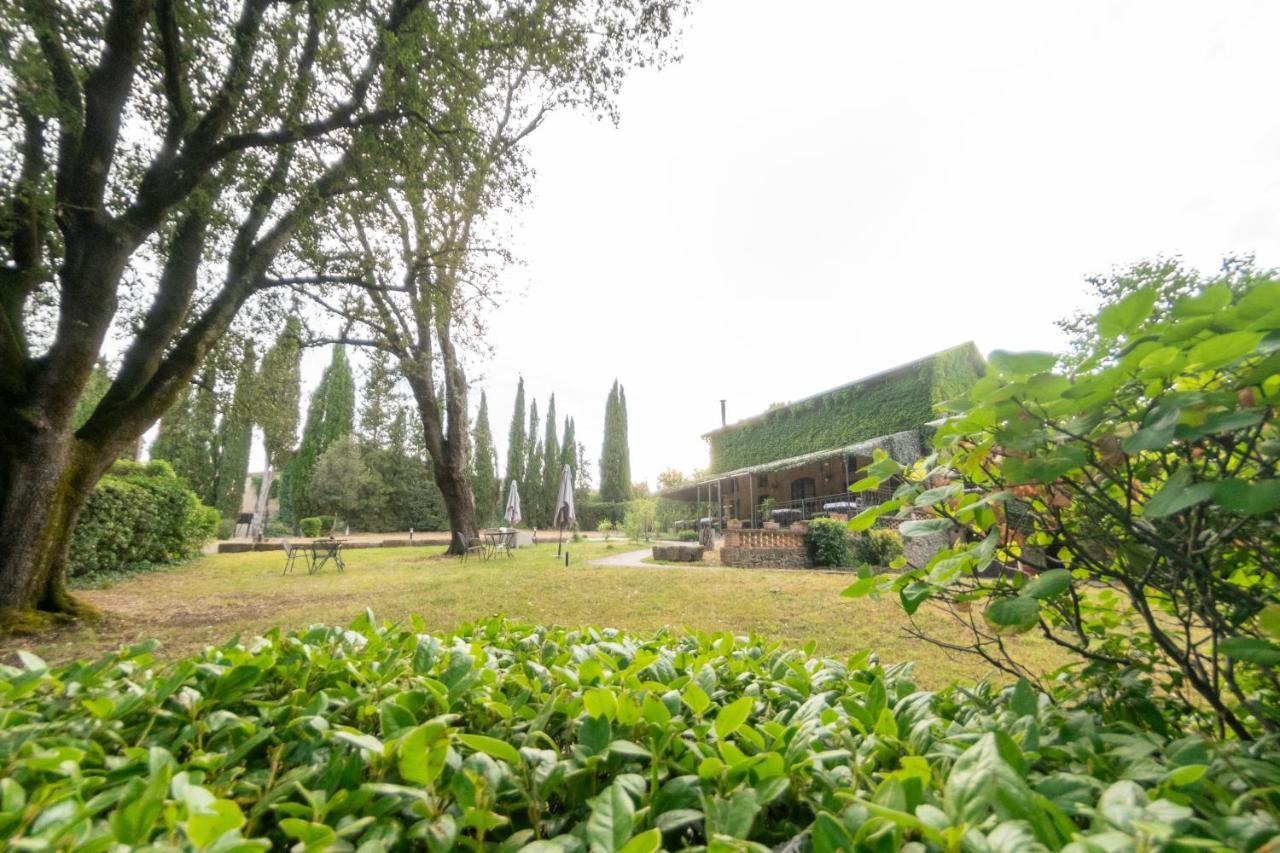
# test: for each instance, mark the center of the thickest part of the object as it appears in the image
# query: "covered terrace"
(796, 488)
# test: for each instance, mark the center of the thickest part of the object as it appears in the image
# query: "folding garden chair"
(469, 546)
(291, 552)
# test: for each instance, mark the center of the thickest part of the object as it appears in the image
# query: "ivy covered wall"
(900, 399)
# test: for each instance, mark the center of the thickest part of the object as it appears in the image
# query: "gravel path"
(630, 560)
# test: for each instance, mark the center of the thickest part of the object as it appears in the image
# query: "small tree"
(342, 481)
(1131, 501)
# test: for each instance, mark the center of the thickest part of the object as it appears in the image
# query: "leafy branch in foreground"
(1127, 508)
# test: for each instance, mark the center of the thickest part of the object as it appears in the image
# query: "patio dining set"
(490, 543)
(316, 553)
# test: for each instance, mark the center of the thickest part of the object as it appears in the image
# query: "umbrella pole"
(560, 540)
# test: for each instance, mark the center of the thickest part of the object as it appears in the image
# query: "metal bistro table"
(499, 539)
(324, 550)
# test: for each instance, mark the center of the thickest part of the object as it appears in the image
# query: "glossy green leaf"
(1127, 315)
(1016, 612)
(1048, 584)
(1252, 650)
(612, 819)
(732, 716)
(493, 747)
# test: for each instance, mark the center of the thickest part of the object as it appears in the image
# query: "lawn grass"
(213, 598)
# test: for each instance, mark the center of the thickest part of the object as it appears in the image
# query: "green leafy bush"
(138, 516)
(606, 527)
(1134, 485)
(311, 527)
(226, 528)
(826, 543)
(877, 547)
(687, 535)
(507, 737)
(591, 513)
(639, 518)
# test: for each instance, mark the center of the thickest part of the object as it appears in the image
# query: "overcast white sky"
(918, 173)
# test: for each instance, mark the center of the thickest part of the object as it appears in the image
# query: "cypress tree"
(340, 398)
(550, 462)
(94, 390)
(569, 448)
(235, 439)
(329, 417)
(515, 445)
(484, 463)
(175, 430)
(277, 391)
(612, 476)
(623, 446)
(531, 480)
(197, 457)
(378, 403)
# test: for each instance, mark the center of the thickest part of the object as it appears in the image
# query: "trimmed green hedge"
(591, 513)
(515, 737)
(902, 400)
(138, 516)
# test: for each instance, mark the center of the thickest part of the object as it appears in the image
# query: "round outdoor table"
(495, 539)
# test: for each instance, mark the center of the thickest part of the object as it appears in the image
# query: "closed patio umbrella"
(512, 512)
(564, 513)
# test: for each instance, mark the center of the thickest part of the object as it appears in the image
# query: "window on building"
(762, 481)
(803, 488)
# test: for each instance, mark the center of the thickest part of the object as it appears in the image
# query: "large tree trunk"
(48, 479)
(259, 526)
(459, 501)
(446, 445)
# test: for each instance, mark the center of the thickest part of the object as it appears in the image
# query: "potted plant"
(735, 524)
(767, 506)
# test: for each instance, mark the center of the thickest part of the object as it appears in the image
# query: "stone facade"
(769, 549)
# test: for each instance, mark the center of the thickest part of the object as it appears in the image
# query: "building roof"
(905, 446)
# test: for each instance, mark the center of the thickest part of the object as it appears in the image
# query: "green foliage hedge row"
(892, 404)
(505, 737)
(829, 543)
(139, 515)
(591, 513)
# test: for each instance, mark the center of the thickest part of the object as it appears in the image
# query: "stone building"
(771, 473)
(796, 461)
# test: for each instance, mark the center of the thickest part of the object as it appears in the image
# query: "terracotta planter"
(735, 524)
(772, 525)
(800, 526)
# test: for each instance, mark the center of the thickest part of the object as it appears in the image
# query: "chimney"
(723, 422)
